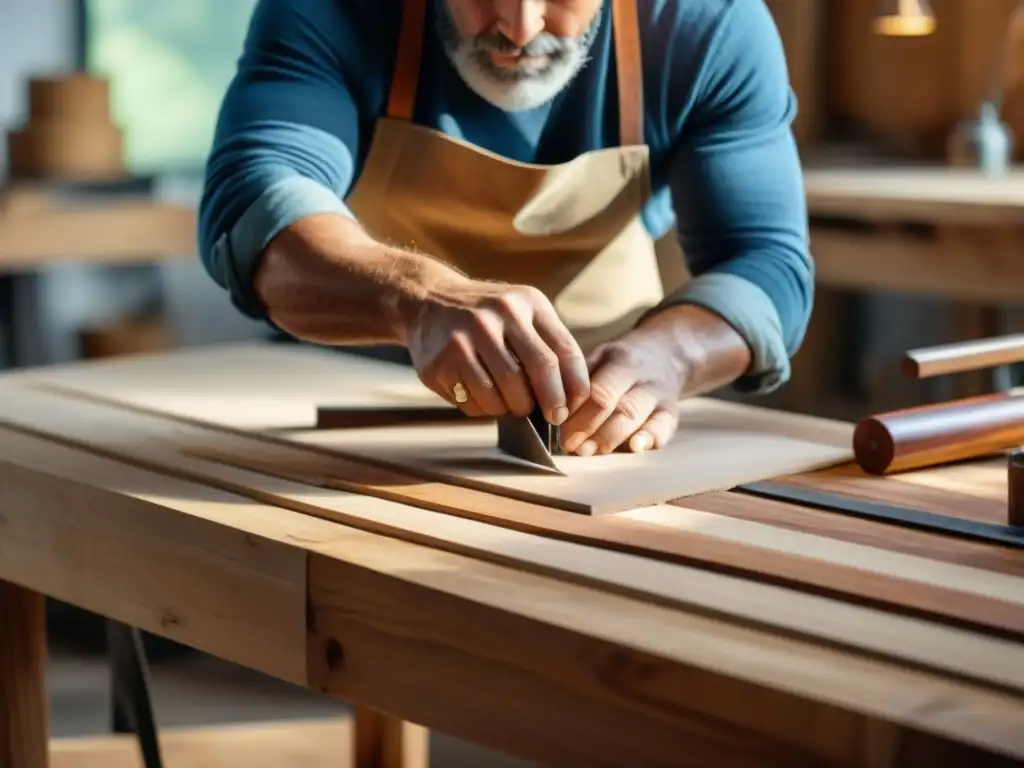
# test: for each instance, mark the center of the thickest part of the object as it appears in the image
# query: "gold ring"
(461, 395)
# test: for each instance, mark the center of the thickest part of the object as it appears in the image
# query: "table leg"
(24, 715)
(382, 741)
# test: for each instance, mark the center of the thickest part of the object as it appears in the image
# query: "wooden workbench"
(719, 630)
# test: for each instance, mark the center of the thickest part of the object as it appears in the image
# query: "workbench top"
(723, 629)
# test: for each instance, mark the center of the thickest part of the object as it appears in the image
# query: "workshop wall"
(904, 93)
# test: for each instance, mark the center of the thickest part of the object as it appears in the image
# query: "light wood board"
(719, 445)
(558, 673)
(987, 600)
(278, 387)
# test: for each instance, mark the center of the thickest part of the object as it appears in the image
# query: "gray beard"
(524, 87)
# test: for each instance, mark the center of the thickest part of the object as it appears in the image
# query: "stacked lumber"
(69, 132)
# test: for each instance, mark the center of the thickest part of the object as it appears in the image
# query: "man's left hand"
(635, 388)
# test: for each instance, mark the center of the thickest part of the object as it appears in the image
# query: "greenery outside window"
(169, 64)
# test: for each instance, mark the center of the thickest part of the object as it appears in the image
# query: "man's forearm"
(324, 279)
(710, 350)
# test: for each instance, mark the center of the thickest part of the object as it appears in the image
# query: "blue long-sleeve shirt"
(297, 120)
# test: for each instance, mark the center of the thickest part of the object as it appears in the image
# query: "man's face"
(518, 54)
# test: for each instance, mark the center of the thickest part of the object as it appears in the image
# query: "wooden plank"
(117, 233)
(895, 583)
(963, 265)
(716, 553)
(934, 194)
(575, 676)
(723, 444)
(295, 744)
(24, 717)
(973, 490)
(157, 444)
(242, 596)
(251, 385)
(493, 654)
(820, 523)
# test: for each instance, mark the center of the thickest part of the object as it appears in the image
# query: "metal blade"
(518, 437)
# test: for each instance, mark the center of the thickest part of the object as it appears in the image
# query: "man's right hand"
(504, 344)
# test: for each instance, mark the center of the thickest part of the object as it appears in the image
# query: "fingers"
(446, 388)
(515, 342)
(459, 378)
(608, 388)
(572, 364)
(659, 429)
(503, 368)
(481, 389)
(629, 415)
(541, 366)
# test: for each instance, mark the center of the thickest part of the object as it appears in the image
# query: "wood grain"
(558, 682)
(1015, 489)
(720, 444)
(494, 654)
(939, 433)
(794, 517)
(279, 388)
(382, 741)
(24, 714)
(973, 490)
(988, 601)
(242, 596)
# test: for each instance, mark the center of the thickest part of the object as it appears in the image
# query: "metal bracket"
(132, 705)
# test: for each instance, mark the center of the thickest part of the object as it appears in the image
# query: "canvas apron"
(571, 230)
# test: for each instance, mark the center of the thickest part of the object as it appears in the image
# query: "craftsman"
(481, 182)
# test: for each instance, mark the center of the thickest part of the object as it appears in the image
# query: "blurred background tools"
(959, 430)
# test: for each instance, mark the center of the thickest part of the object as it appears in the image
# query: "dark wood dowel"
(937, 434)
(1015, 488)
(342, 417)
(964, 356)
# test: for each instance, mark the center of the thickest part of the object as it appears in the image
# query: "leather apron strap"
(628, 67)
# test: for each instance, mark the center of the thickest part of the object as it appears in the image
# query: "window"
(169, 64)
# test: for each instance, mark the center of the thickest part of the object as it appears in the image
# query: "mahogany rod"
(937, 434)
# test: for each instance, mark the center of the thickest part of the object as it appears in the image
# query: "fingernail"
(589, 448)
(559, 415)
(642, 442)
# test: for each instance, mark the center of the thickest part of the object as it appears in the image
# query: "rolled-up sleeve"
(286, 141)
(738, 195)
